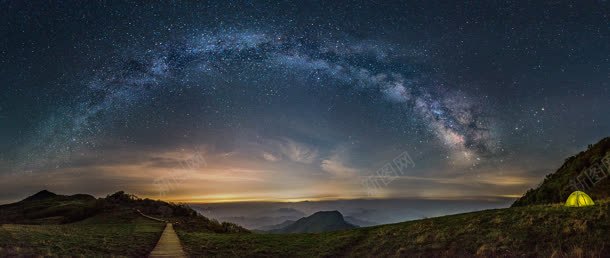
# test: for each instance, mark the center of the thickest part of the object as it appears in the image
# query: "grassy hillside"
(46, 208)
(555, 187)
(540, 230)
(181, 215)
(46, 224)
(118, 234)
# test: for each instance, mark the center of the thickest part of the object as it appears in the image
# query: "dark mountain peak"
(320, 221)
(327, 214)
(44, 194)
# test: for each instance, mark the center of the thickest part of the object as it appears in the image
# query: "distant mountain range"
(322, 221)
(588, 171)
(277, 226)
(359, 222)
(256, 222)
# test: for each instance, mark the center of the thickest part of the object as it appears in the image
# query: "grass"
(53, 210)
(544, 230)
(104, 235)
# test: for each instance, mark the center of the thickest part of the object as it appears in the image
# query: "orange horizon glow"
(235, 177)
(322, 199)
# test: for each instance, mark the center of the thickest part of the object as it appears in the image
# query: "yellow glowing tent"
(579, 199)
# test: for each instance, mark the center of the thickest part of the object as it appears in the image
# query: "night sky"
(254, 101)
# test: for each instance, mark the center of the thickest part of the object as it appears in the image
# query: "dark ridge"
(557, 186)
(44, 194)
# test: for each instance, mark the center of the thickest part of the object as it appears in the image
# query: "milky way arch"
(459, 124)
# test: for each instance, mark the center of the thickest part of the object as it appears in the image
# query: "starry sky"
(289, 101)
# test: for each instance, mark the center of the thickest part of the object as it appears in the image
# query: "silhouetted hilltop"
(46, 207)
(44, 194)
(588, 171)
(321, 221)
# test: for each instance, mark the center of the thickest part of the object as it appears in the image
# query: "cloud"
(270, 157)
(337, 168)
(336, 164)
(298, 152)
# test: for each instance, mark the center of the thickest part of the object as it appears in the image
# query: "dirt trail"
(169, 244)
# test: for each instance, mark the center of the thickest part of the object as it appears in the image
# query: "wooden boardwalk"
(149, 217)
(169, 244)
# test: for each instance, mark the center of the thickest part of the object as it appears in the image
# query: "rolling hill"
(45, 208)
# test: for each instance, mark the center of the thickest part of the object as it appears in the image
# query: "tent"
(579, 199)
